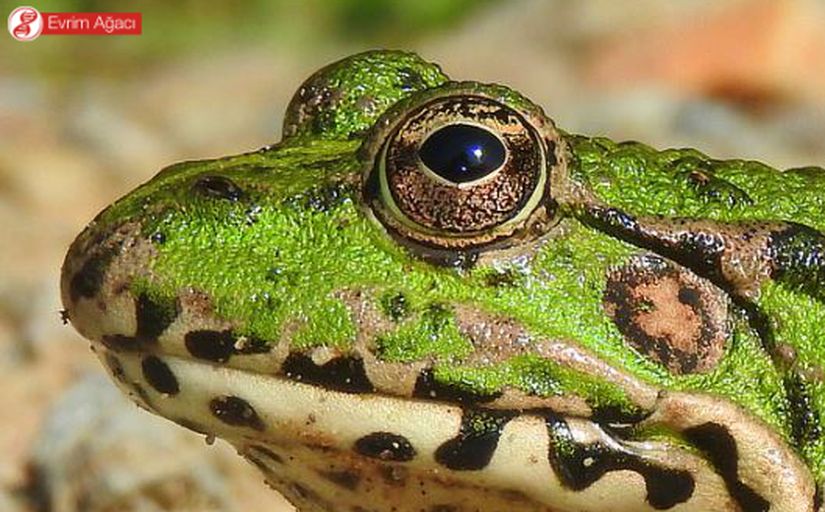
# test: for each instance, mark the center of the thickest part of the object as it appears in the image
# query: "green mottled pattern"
(799, 321)
(643, 181)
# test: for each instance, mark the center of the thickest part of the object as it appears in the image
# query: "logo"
(25, 23)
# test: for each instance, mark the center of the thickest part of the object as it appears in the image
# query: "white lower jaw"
(313, 431)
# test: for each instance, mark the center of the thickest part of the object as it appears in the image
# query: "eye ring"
(501, 199)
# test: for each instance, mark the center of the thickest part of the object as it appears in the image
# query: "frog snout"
(97, 274)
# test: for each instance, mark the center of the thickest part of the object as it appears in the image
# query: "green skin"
(298, 232)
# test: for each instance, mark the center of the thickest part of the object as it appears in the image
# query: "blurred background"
(85, 119)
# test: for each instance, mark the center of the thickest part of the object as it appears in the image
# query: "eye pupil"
(461, 153)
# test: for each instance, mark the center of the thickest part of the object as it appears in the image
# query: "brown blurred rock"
(748, 51)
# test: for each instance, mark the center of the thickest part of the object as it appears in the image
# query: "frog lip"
(242, 406)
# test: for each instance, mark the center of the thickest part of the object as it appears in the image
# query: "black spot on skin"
(218, 187)
(324, 198)
(818, 498)
(719, 447)
(410, 80)
(252, 214)
(215, 346)
(476, 442)
(345, 478)
(306, 494)
(154, 316)
(236, 412)
(427, 386)
(806, 428)
(248, 344)
(698, 174)
(89, 279)
(38, 488)
(798, 256)
(579, 466)
(159, 375)
(279, 275)
(464, 260)
(219, 346)
(385, 446)
(690, 297)
(121, 343)
(507, 278)
(803, 411)
(64, 316)
(396, 307)
(344, 374)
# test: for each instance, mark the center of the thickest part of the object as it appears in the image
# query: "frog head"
(428, 297)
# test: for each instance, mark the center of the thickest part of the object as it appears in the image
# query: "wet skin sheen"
(426, 297)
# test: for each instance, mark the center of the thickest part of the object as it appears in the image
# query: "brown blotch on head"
(669, 314)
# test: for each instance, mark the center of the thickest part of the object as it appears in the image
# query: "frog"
(428, 297)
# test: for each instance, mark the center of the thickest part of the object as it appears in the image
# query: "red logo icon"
(25, 23)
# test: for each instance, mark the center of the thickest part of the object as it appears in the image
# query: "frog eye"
(461, 171)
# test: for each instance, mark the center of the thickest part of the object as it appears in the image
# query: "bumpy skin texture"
(647, 336)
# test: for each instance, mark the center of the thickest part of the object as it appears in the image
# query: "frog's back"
(687, 183)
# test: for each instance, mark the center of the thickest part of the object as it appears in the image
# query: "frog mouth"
(574, 457)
